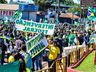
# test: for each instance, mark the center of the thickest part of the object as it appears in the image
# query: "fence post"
(68, 60)
(95, 53)
(71, 58)
(75, 56)
(78, 54)
(64, 64)
(81, 52)
(57, 66)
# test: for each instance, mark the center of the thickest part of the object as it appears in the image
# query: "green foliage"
(78, 10)
(68, 2)
(43, 4)
(40, 2)
(3, 1)
(74, 9)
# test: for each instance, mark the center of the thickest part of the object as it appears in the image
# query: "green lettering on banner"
(39, 25)
(46, 26)
(35, 24)
(21, 22)
(32, 29)
(28, 29)
(36, 44)
(35, 30)
(32, 42)
(31, 26)
(24, 23)
(28, 23)
(43, 26)
(39, 30)
(50, 27)
(25, 29)
(45, 31)
(35, 51)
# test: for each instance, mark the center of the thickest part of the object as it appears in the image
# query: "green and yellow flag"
(11, 67)
(91, 13)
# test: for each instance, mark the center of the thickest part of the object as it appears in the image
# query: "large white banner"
(31, 26)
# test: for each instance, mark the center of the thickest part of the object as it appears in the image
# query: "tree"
(74, 9)
(47, 3)
(40, 3)
(43, 4)
(78, 11)
(67, 2)
(3, 1)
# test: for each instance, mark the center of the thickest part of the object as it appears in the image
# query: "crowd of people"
(13, 44)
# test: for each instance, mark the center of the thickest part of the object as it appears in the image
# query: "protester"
(38, 62)
(12, 57)
(53, 55)
(3, 48)
(71, 38)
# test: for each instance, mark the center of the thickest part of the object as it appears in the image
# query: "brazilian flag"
(91, 13)
(11, 67)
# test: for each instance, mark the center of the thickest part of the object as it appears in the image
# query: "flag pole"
(26, 36)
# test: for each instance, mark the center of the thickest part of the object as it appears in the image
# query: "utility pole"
(58, 3)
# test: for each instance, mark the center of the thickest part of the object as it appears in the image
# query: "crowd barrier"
(45, 70)
(70, 56)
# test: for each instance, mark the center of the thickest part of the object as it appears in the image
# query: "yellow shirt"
(11, 59)
(54, 51)
(28, 70)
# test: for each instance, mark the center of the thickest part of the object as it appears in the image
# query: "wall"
(7, 13)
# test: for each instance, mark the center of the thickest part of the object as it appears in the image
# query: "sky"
(19, 0)
(76, 1)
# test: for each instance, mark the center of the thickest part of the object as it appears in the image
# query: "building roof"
(69, 15)
(94, 5)
(62, 5)
(9, 6)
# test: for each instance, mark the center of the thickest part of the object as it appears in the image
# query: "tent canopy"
(69, 15)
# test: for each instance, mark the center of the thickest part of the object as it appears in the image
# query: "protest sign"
(37, 44)
(39, 47)
(11, 67)
(35, 27)
(34, 41)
